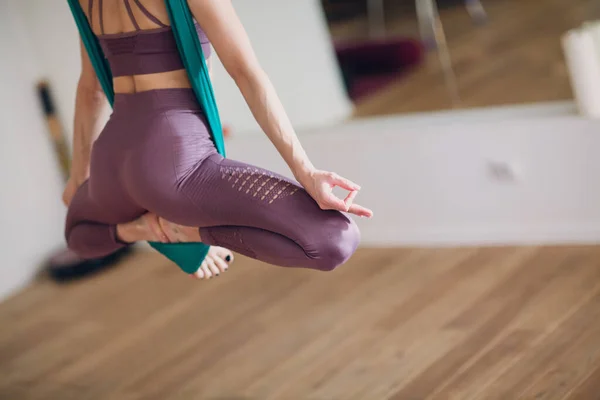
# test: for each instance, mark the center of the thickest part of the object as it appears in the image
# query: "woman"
(154, 173)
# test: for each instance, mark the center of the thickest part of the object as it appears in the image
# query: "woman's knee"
(336, 244)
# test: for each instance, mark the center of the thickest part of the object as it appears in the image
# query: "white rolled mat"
(582, 53)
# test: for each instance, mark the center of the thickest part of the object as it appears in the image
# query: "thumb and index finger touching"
(348, 204)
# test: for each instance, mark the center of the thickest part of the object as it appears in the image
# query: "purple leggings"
(155, 154)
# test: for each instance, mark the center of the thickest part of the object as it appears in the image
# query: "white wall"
(427, 177)
(290, 38)
(55, 45)
(31, 215)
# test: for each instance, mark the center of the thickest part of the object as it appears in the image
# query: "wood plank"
(551, 349)
(559, 299)
(588, 388)
(516, 291)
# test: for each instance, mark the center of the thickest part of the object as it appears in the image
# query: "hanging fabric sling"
(188, 256)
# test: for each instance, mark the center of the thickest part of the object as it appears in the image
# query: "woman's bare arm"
(90, 104)
(231, 43)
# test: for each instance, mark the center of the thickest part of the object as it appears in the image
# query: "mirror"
(426, 55)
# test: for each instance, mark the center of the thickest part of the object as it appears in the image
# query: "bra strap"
(101, 14)
(130, 12)
(149, 14)
(91, 12)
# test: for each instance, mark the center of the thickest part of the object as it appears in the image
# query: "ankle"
(179, 233)
(126, 233)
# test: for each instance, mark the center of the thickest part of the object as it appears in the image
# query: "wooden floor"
(515, 58)
(492, 323)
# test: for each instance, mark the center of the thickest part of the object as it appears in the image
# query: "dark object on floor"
(66, 266)
(371, 65)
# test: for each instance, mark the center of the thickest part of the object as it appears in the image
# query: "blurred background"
(473, 128)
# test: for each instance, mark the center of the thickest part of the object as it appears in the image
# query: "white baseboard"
(388, 236)
(432, 179)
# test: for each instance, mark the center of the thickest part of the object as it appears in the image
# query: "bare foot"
(179, 233)
(152, 228)
(217, 260)
(146, 227)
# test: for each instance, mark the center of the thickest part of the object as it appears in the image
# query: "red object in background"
(226, 131)
(371, 65)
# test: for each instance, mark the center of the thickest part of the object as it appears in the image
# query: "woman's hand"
(78, 176)
(320, 184)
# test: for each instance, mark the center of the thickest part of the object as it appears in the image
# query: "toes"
(214, 263)
(221, 264)
(199, 274)
(213, 267)
(207, 272)
(225, 254)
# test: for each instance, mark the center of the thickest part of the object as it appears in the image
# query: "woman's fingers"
(69, 192)
(330, 202)
(350, 199)
(333, 202)
(360, 211)
(343, 182)
(347, 205)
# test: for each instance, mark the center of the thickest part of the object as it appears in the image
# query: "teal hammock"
(188, 256)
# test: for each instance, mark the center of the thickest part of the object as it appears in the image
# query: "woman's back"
(138, 42)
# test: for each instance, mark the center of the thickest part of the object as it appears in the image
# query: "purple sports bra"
(146, 51)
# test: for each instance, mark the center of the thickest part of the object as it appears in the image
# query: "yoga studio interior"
(473, 130)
